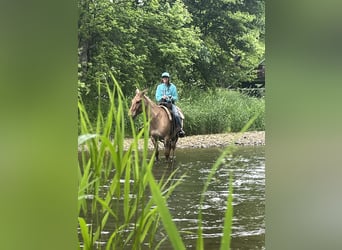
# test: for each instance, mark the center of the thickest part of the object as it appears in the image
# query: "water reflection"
(247, 165)
(248, 168)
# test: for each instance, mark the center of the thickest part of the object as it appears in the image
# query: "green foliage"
(213, 43)
(221, 110)
(134, 42)
(233, 35)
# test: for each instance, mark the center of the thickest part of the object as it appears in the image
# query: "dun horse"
(161, 127)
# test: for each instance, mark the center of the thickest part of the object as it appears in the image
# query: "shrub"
(221, 110)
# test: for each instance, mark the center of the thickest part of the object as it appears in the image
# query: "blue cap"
(166, 74)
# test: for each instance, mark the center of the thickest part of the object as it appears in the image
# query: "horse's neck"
(151, 108)
(160, 124)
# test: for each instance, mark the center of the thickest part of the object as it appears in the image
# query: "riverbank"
(251, 138)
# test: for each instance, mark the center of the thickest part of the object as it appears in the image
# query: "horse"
(162, 125)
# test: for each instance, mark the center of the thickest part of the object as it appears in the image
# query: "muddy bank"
(253, 138)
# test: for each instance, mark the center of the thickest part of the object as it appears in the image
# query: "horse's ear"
(137, 91)
(144, 91)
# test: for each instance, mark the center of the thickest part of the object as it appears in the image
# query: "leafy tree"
(136, 41)
(172, 41)
(233, 34)
(204, 43)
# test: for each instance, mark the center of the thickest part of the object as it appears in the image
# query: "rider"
(167, 92)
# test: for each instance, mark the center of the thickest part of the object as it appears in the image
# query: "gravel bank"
(252, 138)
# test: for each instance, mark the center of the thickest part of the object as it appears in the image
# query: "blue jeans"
(176, 113)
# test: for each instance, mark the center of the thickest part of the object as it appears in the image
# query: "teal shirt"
(168, 90)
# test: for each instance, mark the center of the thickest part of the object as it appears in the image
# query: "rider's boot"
(179, 129)
(181, 133)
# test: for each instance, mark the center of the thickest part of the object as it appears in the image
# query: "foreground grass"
(114, 185)
(118, 186)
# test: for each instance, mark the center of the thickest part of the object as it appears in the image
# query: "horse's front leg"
(155, 143)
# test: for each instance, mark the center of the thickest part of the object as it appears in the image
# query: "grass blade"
(165, 215)
(85, 233)
(227, 229)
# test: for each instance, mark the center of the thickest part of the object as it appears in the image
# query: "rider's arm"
(159, 93)
(174, 93)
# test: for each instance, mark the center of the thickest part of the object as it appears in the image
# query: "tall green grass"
(220, 111)
(114, 184)
(209, 112)
(118, 193)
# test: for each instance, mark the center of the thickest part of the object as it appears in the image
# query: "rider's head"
(166, 74)
(165, 77)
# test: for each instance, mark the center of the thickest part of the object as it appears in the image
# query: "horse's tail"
(173, 134)
(173, 131)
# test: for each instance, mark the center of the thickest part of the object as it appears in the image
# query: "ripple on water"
(248, 169)
(247, 166)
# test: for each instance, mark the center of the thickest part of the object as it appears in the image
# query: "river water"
(247, 165)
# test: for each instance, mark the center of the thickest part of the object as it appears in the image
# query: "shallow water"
(247, 165)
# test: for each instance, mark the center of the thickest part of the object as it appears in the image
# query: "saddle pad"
(167, 112)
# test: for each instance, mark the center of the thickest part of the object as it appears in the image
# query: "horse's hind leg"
(167, 146)
(155, 143)
(173, 146)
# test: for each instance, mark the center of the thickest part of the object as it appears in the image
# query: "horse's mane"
(153, 104)
(149, 100)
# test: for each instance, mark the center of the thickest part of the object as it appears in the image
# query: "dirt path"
(253, 138)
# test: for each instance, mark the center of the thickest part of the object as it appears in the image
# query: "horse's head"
(136, 106)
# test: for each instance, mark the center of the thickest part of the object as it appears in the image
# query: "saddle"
(169, 111)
